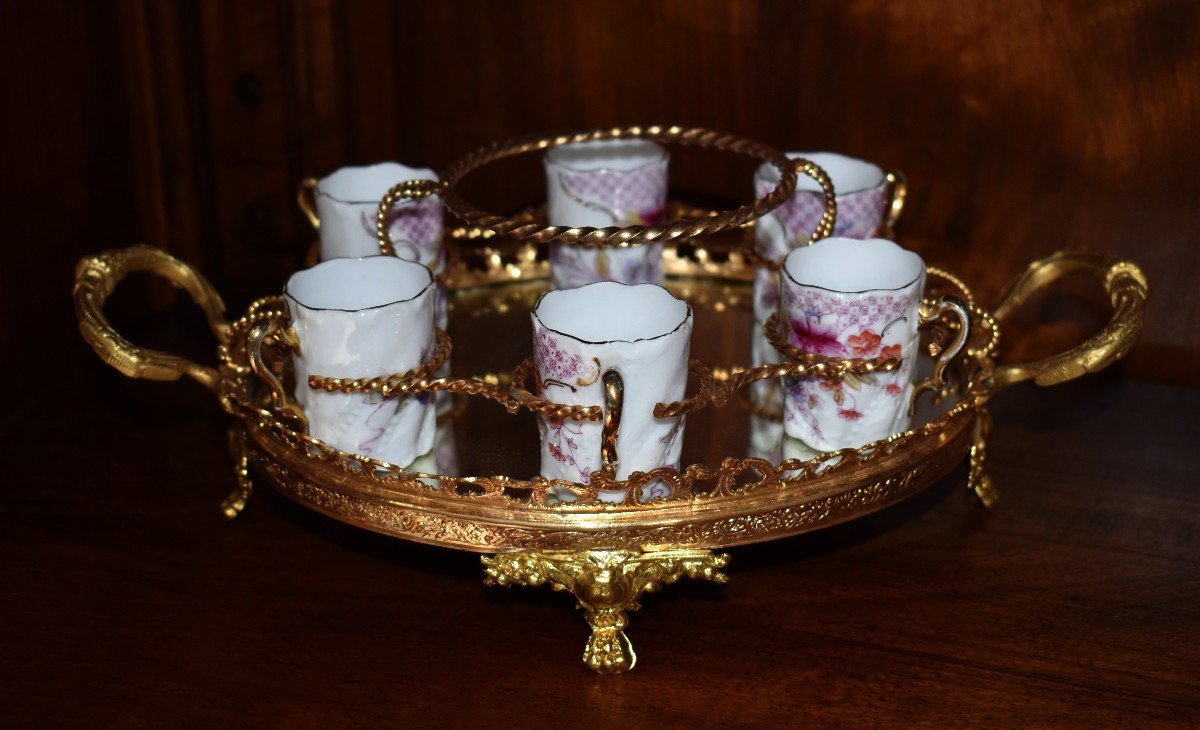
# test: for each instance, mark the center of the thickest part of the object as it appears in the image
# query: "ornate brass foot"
(977, 478)
(233, 505)
(607, 584)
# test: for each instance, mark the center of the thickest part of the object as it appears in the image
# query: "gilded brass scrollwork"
(607, 584)
(931, 312)
(614, 402)
(233, 505)
(1126, 286)
(289, 412)
(95, 279)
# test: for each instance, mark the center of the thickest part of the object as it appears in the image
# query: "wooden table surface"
(127, 598)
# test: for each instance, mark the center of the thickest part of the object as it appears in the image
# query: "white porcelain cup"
(361, 318)
(342, 207)
(842, 297)
(640, 332)
(621, 182)
(869, 202)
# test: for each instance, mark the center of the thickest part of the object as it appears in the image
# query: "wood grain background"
(1023, 127)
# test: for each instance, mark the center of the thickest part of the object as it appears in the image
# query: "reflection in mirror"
(490, 330)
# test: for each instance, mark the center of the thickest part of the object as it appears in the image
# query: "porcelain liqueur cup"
(362, 318)
(588, 339)
(599, 184)
(342, 207)
(869, 202)
(842, 297)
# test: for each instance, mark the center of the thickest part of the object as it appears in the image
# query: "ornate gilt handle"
(931, 311)
(95, 279)
(306, 198)
(1126, 287)
(291, 414)
(614, 402)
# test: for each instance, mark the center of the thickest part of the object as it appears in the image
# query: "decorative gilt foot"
(233, 505)
(977, 478)
(607, 584)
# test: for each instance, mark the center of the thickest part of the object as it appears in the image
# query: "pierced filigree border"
(788, 516)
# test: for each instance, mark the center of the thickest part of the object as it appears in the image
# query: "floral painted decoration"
(834, 325)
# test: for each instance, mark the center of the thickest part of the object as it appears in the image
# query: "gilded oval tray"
(485, 495)
(490, 499)
(607, 554)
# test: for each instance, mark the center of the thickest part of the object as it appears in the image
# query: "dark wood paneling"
(67, 182)
(1023, 126)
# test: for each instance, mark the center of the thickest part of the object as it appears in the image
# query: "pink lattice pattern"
(419, 222)
(859, 214)
(875, 310)
(634, 196)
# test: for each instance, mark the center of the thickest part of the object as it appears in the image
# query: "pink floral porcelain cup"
(869, 202)
(842, 297)
(360, 318)
(606, 183)
(342, 207)
(643, 334)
